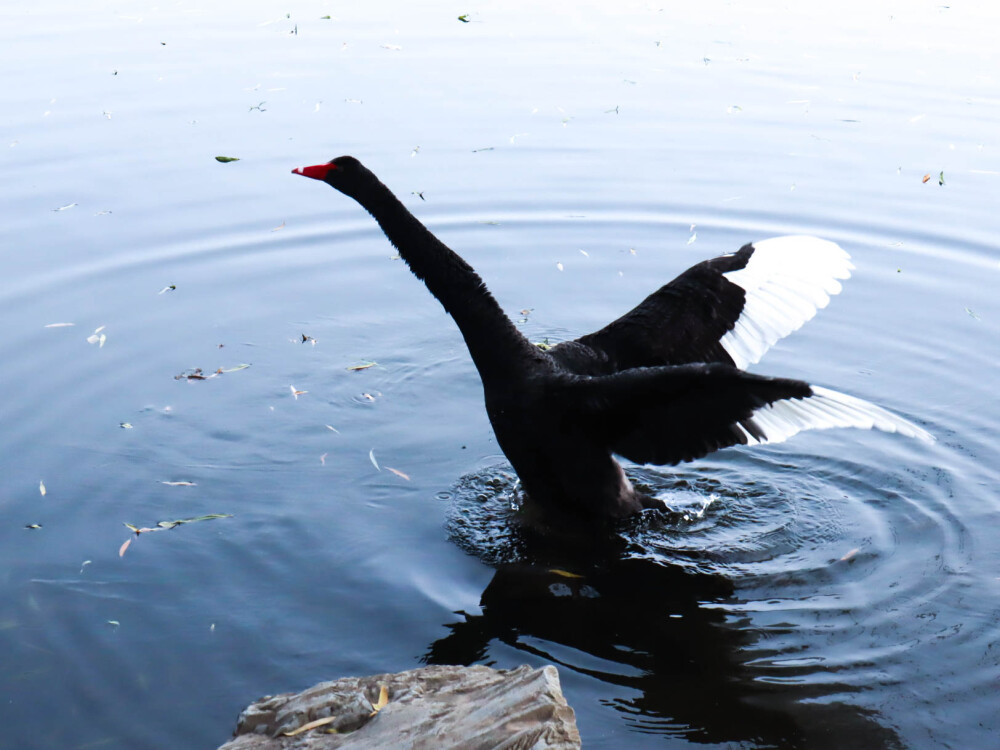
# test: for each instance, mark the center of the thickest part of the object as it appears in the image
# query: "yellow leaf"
(383, 700)
(564, 573)
(311, 725)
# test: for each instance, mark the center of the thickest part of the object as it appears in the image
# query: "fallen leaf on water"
(33, 526)
(364, 366)
(383, 700)
(227, 159)
(311, 725)
(195, 374)
(60, 325)
(398, 473)
(180, 484)
(371, 455)
(564, 573)
(850, 554)
(41, 488)
(164, 525)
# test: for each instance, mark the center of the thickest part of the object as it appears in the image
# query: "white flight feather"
(786, 280)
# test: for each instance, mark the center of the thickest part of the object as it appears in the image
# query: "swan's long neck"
(496, 346)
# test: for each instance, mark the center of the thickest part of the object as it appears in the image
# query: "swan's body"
(662, 384)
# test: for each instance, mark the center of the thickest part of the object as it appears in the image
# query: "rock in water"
(437, 708)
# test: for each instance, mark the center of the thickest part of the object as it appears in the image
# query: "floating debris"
(166, 525)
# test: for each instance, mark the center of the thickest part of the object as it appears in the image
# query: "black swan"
(662, 384)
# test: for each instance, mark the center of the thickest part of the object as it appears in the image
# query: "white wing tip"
(826, 409)
(785, 282)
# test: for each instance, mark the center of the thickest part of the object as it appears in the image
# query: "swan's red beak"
(317, 172)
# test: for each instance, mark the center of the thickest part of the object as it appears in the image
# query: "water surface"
(841, 589)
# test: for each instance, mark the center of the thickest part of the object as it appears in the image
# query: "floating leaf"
(371, 455)
(33, 526)
(398, 473)
(312, 725)
(41, 485)
(365, 366)
(121, 550)
(383, 700)
(564, 573)
(227, 159)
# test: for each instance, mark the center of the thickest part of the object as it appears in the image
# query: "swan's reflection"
(667, 634)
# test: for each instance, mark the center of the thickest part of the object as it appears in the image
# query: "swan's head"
(345, 173)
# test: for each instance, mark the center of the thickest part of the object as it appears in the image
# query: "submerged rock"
(435, 707)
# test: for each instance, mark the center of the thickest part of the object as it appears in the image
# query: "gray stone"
(434, 708)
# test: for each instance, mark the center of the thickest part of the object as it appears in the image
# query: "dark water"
(839, 590)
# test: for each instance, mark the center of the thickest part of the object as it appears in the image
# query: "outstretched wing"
(730, 309)
(665, 415)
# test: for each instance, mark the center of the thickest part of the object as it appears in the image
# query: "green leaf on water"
(226, 159)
